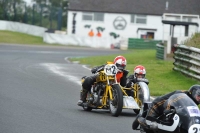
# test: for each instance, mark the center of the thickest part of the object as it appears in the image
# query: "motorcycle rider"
(139, 74)
(158, 107)
(119, 61)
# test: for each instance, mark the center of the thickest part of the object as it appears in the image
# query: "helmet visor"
(139, 75)
(120, 67)
(197, 96)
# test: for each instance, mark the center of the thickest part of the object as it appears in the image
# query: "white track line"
(55, 68)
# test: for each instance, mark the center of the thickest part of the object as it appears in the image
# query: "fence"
(134, 43)
(187, 60)
(161, 51)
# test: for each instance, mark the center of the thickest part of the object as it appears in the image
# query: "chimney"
(166, 5)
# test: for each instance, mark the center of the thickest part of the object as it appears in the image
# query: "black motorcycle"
(182, 116)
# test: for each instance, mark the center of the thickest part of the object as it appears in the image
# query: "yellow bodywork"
(102, 77)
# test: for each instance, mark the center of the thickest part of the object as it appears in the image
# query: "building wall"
(130, 31)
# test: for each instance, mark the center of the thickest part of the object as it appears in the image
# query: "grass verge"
(163, 79)
(9, 37)
(20, 38)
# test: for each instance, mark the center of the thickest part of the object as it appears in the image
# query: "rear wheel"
(116, 104)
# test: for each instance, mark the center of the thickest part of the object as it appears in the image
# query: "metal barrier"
(135, 43)
(187, 60)
(161, 51)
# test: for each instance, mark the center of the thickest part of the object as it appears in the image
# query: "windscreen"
(187, 110)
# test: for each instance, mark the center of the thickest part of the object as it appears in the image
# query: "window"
(87, 16)
(189, 19)
(177, 18)
(139, 19)
(93, 16)
(132, 18)
(98, 17)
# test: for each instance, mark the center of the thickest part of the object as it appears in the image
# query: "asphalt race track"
(39, 90)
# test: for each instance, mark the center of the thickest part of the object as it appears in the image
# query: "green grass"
(19, 38)
(160, 73)
(193, 41)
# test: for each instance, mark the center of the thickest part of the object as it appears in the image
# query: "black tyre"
(137, 111)
(135, 123)
(87, 108)
(116, 104)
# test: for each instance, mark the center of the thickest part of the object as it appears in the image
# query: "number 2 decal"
(110, 69)
(114, 70)
(195, 128)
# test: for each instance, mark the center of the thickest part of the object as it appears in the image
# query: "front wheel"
(116, 104)
(137, 111)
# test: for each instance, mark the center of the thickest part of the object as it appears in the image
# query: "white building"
(156, 19)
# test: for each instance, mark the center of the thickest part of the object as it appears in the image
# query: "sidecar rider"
(119, 61)
(139, 74)
(158, 107)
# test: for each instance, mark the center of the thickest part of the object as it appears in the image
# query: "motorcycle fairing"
(168, 127)
(183, 108)
(146, 91)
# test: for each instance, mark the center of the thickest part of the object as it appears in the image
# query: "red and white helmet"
(139, 70)
(120, 62)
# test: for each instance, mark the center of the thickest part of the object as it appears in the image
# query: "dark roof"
(148, 7)
(179, 23)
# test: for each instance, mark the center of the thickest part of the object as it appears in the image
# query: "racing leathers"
(132, 80)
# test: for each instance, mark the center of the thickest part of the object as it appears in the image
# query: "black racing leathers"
(89, 80)
(157, 107)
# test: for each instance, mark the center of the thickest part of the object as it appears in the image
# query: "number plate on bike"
(130, 103)
(110, 69)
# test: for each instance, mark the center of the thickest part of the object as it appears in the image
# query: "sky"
(28, 1)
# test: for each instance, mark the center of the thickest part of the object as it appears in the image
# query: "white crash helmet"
(120, 62)
(139, 70)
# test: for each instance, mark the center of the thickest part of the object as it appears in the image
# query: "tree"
(9, 8)
(53, 9)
